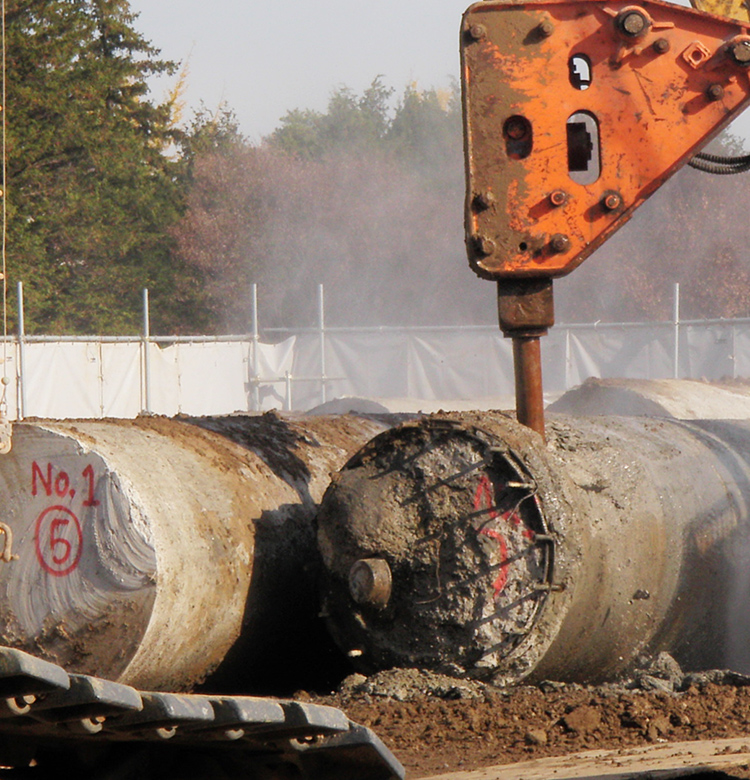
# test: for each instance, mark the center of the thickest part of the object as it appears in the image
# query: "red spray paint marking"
(58, 541)
(60, 484)
(484, 493)
(502, 576)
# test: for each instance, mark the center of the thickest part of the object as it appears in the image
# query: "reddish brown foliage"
(386, 239)
(694, 231)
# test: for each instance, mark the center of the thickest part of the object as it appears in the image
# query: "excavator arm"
(731, 9)
(575, 112)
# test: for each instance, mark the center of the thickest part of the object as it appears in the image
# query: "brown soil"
(432, 735)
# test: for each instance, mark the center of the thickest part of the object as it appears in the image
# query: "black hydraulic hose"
(719, 165)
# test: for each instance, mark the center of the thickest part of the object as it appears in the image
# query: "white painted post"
(254, 376)
(146, 356)
(676, 326)
(21, 402)
(322, 328)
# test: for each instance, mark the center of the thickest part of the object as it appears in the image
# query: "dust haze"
(383, 232)
(388, 245)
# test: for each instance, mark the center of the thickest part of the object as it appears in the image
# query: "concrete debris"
(412, 684)
(714, 677)
(666, 668)
(661, 673)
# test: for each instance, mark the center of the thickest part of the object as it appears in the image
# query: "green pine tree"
(91, 191)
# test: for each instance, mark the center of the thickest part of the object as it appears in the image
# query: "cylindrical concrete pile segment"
(463, 543)
(137, 541)
(684, 399)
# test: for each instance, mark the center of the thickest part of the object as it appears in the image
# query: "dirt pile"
(437, 724)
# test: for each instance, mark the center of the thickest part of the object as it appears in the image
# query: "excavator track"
(53, 722)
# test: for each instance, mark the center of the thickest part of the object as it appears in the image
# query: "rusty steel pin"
(559, 243)
(715, 92)
(612, 201)
(558, 197)
(633, 22)
(370, 582)
(740, 51)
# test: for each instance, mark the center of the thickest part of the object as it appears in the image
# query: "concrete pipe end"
(438, 553)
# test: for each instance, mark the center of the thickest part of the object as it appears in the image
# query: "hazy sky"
(265, 58)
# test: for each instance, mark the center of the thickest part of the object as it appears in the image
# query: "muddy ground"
(435, 724)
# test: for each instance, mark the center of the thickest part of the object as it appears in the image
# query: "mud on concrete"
(300, 453)
(512, 560)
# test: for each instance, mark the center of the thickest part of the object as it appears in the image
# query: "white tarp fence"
(120, 378)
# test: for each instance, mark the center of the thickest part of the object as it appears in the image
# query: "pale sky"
(265, 58)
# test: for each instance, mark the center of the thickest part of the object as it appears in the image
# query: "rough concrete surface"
(684, 399)
(513, 560)
(148, 548)
(651, 528)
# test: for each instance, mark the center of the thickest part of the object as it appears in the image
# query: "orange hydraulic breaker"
(574, 113)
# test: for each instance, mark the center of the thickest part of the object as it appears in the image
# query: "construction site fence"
(64, 377)
(60, 377)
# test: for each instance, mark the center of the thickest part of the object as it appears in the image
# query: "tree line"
(107, 194)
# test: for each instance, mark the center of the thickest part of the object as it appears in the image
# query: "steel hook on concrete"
(7, 554)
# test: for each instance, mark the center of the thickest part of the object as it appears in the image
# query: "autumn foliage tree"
(105, 196)
(693, 231)
(365, 198)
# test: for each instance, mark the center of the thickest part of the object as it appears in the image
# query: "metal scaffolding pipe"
(462, 543)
